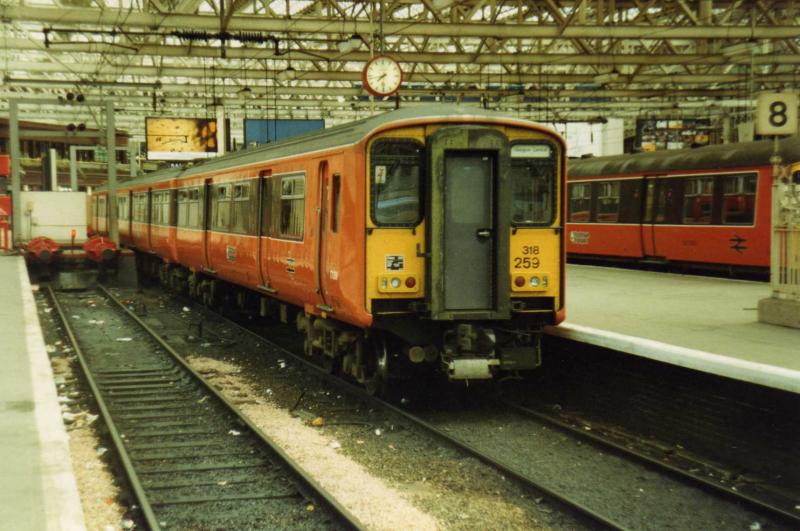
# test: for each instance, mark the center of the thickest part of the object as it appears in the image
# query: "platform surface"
(37, 485)
(706, 324)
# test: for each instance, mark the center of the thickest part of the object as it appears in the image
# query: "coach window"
(396, 182)
(336, 199)
(140, 207)
(668, 203)
(240, 221)
(122, 207)
(533, 170)
(738, 199)
(221, 211)
(580, 202)
(630, 201)
(289, 212)
(183, 207)
(608, 202)
(194, 218)
(698, 200)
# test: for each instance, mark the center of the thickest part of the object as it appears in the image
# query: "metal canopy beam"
(167, 21)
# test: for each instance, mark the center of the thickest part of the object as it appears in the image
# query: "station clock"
(382, 76)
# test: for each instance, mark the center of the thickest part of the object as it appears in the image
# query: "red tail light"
(411, 282)
(519, 282)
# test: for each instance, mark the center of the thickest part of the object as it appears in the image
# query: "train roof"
(340, 135)
(720, 156)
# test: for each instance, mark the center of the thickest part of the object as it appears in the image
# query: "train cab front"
(465, 248)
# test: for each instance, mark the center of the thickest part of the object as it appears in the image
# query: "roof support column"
(111, 148)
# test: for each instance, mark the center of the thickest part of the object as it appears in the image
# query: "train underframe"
(396, 349)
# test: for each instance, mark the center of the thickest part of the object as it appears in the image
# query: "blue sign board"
(262, 131)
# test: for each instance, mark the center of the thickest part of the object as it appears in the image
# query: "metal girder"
(166, 20)
(220, 74)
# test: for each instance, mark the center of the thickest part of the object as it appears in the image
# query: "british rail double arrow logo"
(738, 242)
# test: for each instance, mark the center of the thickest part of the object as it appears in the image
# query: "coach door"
(469, 276)
(207, 199)
(265, 184)
(651, 187)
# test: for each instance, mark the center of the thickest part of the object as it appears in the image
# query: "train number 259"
(530, 260)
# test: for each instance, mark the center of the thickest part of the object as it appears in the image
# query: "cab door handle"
(483, 233)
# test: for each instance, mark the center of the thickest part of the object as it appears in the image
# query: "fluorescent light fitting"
(286, 75)
(441, 4)
(740, 48)
(602, 79)
(349, 45)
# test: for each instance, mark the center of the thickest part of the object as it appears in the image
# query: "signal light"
(411, 282)
(519, 282)
(395, 282)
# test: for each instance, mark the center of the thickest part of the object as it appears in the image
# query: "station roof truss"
(547, 60)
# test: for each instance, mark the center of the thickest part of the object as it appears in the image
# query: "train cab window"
(608, 202)
(289, 212)
(738, 199)
(396, 182)
(533, 169)
(698, 200)
(580, 202)
(335, 200)
(240, 215)
(221, 207)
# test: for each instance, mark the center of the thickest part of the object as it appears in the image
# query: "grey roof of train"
(709, 157)
(340, 135)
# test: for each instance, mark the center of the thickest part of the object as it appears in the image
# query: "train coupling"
(472, 352)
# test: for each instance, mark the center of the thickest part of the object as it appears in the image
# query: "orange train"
(704, 208)
(422, 239)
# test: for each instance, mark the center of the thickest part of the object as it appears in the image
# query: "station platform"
(701, 323)
(37, 486)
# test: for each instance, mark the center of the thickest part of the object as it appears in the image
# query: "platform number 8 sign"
(776, 113)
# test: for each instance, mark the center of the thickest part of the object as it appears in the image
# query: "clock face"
(382, 76)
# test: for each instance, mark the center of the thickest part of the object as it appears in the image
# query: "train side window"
(140, 207)
(396, 182)
(194, 216)
(630, 201)
(608, 202)
(240, 215)
(289, 207)
(221, 207)
(796, 177)
(335, 199)
(533, 170)
(668, 201)
(738, 199)
(122, 207)
(183, 207)
(698, 200)
(580, 202)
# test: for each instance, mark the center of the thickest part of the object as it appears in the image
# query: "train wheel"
(377, 377)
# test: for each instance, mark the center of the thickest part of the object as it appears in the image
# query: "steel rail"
(360, 393)
(309, 484)
(305, 484)
(651, 461)
(133, 477)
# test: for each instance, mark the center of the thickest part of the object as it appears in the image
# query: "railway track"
(191, 459)
(541, 488)
(694, 472)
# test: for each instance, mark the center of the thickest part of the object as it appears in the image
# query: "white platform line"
(63, 510)
(699, 360)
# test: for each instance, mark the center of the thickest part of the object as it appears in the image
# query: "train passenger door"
(149, 218)
(265, 212)
(651, 185)
(322, 232)
(207, 198)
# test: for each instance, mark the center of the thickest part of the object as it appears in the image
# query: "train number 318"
(530, 260)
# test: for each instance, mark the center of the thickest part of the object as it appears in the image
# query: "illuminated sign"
(181, 138)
